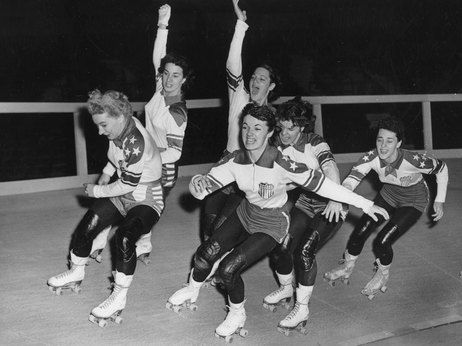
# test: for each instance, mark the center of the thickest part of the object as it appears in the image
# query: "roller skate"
(298, 317)
(98, 245)
(185, 297)
(342, 272)
(70, 279)
(233, 324)
(143, 248)
(282, 295)
(112, 307)
(378, 281)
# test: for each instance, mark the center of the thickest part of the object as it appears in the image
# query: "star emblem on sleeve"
(416, 157)
(293, 166)
(133, 140)
(136, 151)
(366, 158)
(127, 152)
(422, 164)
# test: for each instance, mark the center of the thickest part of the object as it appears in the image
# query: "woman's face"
(289, 132)
(255, 133)
(172, 79)
(260, 85)
(111, 127)
(387, 145)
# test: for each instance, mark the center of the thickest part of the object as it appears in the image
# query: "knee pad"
(307, 252)
(88, 227)
(126, 237)
(231, 267)
(206, 255)
(382, 243)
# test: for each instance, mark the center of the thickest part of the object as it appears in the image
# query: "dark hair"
(112, 102)
(182, 62)
(299, 112)
(392, 124)
(274, 78)
(263, 113)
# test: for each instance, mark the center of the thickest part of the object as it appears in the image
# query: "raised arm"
(160, 44)
(234, 62)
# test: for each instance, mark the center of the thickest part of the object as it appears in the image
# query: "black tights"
(401, 220)
(217, 208)
(306, 236)
(247, 249)
(103, 213)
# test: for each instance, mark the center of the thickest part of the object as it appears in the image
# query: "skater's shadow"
(188, 203)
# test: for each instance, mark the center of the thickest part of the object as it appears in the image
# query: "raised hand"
(164, 15)
(241, 15)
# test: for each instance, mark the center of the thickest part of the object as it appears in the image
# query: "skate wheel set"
(273, 307)
(177, 308)
(229, 338)
(103, 321)
(371, 295)
(144, 258)
(96, 255)
(73, 286)
(332, 282)
(301, 328)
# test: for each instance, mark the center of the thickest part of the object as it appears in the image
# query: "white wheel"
(229, 339)
(243, 332)
(102, 323)
(118, 320)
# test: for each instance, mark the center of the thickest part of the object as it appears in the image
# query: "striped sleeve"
(176, 127)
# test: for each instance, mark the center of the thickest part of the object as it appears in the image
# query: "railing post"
(80, 146)
(427, 125)
(318, 124)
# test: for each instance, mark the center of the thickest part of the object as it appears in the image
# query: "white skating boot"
(378, 282)
(342, 272)
(297, 318)
(282, 295)
(185, 297)
(98, 245)
(70, 279)
(143, 248)
(233, 324)
(112, 307)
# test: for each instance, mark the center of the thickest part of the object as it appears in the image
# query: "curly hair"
(299, 112)
(112, 102)
(263, 113)
(182, 62)
(392, 124)
(274, 78)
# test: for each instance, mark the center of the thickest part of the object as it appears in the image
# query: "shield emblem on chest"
(265, 190)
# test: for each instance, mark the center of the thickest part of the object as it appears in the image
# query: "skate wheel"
(118, 320)
(59, 291)
(77, 289)
(383, 289)
(193, 307)
(332, 283)
(370, 296)
(92, 319)
(99, 259)
(243, 332)
(102, 323)
(51, 289)
(229, 339)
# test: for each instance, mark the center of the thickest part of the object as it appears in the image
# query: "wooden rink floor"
(423, 304)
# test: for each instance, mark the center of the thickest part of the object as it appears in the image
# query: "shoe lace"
(294, 312)
(65, 274)
(111, 298)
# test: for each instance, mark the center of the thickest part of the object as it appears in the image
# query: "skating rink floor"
(423, 304)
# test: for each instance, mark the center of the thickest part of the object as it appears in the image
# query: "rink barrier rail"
(61, 183)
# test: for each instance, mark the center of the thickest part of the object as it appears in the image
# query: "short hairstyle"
(299, 112)
(392, 124)
(182, 62)
(274, 78)
(112, 102)
(264, 113)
